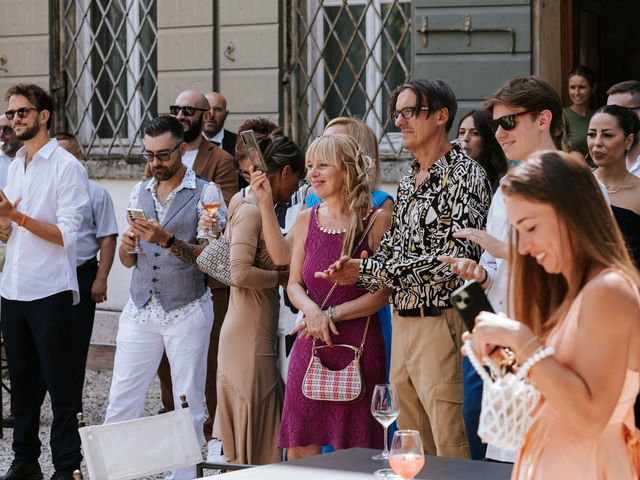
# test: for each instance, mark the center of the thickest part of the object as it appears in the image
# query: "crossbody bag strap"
(363, 236)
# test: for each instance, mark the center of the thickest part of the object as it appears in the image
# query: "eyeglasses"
(186, 111)
(406, 112)
(161, 156)
(22, 112)
(634, 108)
(508, 122)
(6, 129)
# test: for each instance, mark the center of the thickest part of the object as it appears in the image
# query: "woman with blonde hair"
(576, 296)
(365, 139)
(339, 172)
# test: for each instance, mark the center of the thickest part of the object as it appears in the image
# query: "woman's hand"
(317, 324)
(488, 243)
(261, 188)
(492, 330)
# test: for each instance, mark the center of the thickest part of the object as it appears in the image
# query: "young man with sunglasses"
(528, 115)
(211, 162)
(170, 305)
(444, 191)
(40, 214)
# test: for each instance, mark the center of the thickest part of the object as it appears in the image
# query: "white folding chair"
(141, 447)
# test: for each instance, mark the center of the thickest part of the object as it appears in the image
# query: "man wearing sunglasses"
(444, 191)
(40, 214)
(208, 161)
(170, 305)
(205, 158)
(627, 94)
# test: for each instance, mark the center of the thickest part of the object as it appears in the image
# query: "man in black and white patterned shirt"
(443, 192)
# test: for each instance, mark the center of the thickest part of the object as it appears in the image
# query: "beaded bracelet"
(540, 354)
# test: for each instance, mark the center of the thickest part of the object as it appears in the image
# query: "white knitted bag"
(506, 401)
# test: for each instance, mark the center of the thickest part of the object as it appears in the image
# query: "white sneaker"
(214, 452)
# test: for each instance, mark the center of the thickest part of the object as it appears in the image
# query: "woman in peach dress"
(576, 290)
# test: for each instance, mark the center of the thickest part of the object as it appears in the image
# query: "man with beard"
(170, 305)
(213, 129)
(9, 146)
(203, 157)
(212, 163)
(40, 213)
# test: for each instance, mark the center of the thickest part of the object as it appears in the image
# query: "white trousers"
(139, 348)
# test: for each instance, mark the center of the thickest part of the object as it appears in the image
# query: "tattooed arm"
(152, 232)
(188, 252)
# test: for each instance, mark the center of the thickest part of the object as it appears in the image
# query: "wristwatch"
(330, 313)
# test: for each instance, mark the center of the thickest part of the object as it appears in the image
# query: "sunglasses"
(22, 112)
(161, 156)
(6, 130)
(186, 111)
(508, 122)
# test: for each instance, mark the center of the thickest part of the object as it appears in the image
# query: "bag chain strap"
(362, 238)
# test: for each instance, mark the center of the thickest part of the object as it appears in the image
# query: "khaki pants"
(426, 366)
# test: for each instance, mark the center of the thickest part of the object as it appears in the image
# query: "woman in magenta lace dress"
(337, 170)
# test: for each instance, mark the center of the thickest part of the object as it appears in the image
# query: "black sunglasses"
(186, 111)
(508, 122)
(6, 129)
(161, 156)
(22, 112)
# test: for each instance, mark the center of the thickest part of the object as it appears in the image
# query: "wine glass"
(406, 457)
(211, 200)
(385, 408)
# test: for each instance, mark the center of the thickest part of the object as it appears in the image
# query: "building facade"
(113, 64)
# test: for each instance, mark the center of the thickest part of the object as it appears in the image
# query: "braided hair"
(343, 152)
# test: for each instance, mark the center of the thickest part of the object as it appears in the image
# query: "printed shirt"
(152, 310)
(455, 195)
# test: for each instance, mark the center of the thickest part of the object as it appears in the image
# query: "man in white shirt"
(170, 305)
(627, 94)
(40, 213)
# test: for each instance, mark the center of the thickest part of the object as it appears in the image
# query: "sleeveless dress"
(378, 197)
(343, 425)
(556, 448)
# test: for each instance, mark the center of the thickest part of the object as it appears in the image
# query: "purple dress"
(343, 425)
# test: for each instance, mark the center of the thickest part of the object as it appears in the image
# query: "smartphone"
(470, 300)
(253, 150)
(136, 213)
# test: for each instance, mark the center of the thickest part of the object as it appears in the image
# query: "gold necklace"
(613, 191)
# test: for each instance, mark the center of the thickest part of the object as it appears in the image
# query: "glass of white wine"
(385, 408)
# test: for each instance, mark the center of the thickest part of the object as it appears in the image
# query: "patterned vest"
(157, 272)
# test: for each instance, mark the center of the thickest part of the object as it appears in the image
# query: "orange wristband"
(23, 220)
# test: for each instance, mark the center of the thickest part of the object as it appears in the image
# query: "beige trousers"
(426, 366)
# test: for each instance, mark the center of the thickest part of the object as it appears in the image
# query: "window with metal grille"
(347, 57)
(110, 72)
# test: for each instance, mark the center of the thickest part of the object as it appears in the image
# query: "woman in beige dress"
(250, 389)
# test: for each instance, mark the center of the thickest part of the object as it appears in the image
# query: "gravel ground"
(96, 393)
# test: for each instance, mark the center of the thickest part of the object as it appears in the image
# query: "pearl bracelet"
(540, 354)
